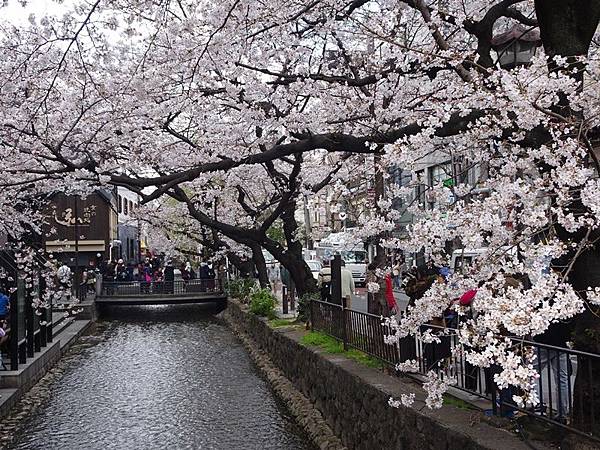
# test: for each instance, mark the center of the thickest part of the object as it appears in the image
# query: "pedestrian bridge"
(162, 292)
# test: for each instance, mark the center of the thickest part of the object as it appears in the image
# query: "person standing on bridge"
(185, 273)
(63, 274)
(169, 275)
(121, 271)
(211, 277)
(204, 276)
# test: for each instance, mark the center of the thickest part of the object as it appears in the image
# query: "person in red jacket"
(389, 294)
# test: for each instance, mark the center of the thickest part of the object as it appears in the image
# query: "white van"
(465, 257)
(351, 250)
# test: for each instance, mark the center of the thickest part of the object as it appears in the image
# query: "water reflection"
(161, 377)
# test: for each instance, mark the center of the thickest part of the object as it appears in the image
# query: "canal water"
(160, 378)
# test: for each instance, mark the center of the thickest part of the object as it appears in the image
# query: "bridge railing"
(160, 288)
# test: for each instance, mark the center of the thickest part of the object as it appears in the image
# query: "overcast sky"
(18, 14)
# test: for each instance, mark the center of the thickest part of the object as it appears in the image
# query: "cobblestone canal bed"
(153, 378)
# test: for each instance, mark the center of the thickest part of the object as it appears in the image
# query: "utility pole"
(307, 225)
(76, 276)
(139, 231)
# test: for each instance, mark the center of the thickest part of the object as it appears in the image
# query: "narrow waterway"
(156, 378)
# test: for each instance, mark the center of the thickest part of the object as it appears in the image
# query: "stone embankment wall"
(353, 399)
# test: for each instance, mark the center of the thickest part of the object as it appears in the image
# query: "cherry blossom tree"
(217, 104)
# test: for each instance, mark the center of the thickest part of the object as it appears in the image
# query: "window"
(440, 173)
(120, 204)
(400, 177)
(354, 257)
(420, 188)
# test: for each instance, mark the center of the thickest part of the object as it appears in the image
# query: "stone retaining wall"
(304, 412)
(354, 399)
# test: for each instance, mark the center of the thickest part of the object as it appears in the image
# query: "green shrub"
(241, 288)
(262, 303)
(304, 306)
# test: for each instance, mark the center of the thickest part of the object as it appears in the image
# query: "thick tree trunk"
(292, 260)
(567, 28)
(261, 266)
(379, 261)
(299, 270)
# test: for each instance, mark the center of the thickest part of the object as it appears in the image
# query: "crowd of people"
(157, 273)
(154, 273)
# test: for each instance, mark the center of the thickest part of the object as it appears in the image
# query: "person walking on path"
(348, 287)
(185, 273)
(389, 295)
(380, 295)
(324, 281)
(552, 362)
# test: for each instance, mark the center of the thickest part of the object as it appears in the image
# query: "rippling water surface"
(161, 378)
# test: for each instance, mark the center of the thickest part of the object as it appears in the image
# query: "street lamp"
(517, 46)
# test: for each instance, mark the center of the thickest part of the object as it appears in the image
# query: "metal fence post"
(29, 321)
(344, 324)
(98, 284)
(49, 319)
(42, 317)
(336, 280)
(284, 298)
(493, 391)
(292, 296)
(14, 331)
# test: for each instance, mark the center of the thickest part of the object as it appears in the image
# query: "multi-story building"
(81, 231)
(132, 245)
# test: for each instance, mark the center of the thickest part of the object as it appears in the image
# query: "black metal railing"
(566, 385)
(27, 330)
(149, 288)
